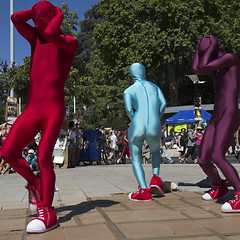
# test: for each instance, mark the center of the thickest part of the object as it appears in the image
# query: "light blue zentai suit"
(144, 105)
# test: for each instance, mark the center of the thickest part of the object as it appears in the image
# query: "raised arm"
(52, 33)
(128, 104)
(225, 61)
(206, 51)
(162, 103)
(19, 20)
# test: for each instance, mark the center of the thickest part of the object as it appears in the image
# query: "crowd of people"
(29, 153)
(114, 144)
(188, 142)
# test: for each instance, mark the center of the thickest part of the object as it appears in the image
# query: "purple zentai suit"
(225, 71)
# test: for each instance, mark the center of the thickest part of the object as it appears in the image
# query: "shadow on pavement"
(83, 207)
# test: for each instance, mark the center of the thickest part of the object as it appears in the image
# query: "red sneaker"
(45, 221)
(216, 192)
(232, 206)
(156, 185)
(142, 195)
(34, 196)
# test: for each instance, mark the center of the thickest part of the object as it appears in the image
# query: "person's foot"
(181, 160)
(170, 161)
(233, 205)
(142, 195)
(34, 196)
(156, 185)
(118, 161)
(216, 192)
(45, 221)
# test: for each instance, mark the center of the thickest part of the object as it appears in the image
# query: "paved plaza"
(92, 203)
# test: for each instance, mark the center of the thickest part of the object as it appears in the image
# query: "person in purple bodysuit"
(225, 71)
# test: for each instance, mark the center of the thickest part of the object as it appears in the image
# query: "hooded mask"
(137, 70)
(205, 43)
(42, 13)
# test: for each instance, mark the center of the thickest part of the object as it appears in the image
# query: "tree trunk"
(173, 85)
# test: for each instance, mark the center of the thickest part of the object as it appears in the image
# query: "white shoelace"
(41, 214)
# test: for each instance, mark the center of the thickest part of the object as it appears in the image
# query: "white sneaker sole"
(42, 231)
(208, 197)
(226, 208)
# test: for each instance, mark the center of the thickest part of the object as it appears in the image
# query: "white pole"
(11, 41)
(20, 103)
(74, 104)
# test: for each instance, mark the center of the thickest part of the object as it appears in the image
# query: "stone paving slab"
(115, 217)
(92, 203)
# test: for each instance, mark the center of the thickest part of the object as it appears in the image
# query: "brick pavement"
(177, 215)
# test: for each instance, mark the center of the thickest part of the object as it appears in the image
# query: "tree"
(3, 89)
(162, 35)
(70, 21)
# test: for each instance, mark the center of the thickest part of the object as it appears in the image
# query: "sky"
(22, 47)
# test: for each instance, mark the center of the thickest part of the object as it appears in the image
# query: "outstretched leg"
(205, 155)
(223, 137)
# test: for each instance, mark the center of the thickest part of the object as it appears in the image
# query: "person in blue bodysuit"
(144, 105)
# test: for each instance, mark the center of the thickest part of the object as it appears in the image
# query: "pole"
(108, 108)
(20, 103)
(74, 105)
(11, 41)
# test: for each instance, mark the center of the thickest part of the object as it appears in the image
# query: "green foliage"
(69, 24)
(162, 35)
(3, 89)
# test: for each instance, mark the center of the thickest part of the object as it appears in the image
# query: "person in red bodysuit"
(225, 71)
(52, 54)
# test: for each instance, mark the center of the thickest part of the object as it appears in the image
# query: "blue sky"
(22, 47)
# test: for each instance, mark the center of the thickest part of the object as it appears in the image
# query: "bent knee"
(217, 156)
(204, 160)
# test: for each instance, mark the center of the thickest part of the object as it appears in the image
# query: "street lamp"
(197, 98)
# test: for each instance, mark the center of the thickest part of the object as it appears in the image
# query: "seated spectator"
(32, 160)
(25, 153)
(4, 167)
